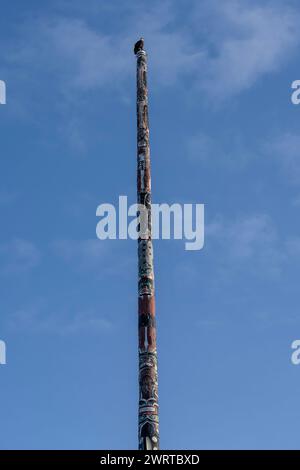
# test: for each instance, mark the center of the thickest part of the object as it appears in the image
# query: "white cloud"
(285, 149)
(249, 243)
(224, 47)
(38, 318)
(202, 147)
(293, 246)
(232, 150)
(248, 41)
(239, 250)
(18, 256)
(87, 254)
(85, 321)
(96, 256)
(247, 236)
(93, 58)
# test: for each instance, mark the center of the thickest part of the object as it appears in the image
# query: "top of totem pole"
(139, 47)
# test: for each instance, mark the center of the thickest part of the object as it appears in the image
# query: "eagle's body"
(139, 45)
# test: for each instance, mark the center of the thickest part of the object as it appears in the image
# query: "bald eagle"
(139, 45)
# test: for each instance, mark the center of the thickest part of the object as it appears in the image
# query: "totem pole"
(148, 385)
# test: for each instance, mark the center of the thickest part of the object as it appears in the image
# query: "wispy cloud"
(86, 254)
(92, 58)
(293, 246)
(232, 151)
(95, 256)
(249, 244)
(247, 247)
(19, 256)
(202, 148)
(285, 149)
(87, 58)
(86, 321)
(224, 47)
(38, 317)
(247, 41)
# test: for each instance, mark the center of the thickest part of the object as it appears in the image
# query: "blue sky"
(224, 133)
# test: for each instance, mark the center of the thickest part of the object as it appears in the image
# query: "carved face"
(147, 387)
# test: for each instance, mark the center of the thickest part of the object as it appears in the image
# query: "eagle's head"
(139, 45)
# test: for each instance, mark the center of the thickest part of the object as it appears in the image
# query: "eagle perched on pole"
(139, 45)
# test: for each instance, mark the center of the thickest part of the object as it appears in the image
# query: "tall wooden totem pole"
(148, 384)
